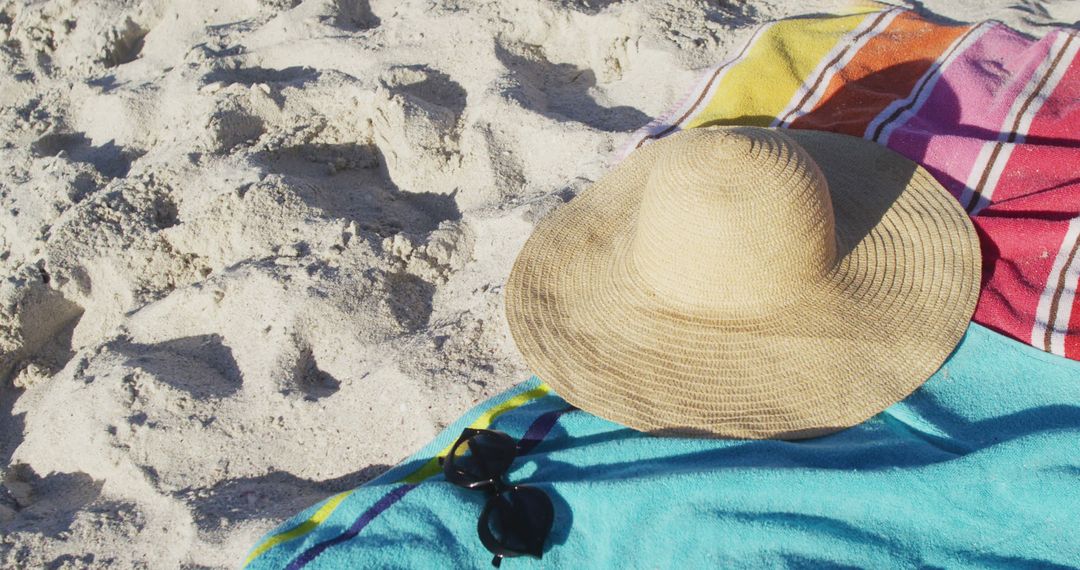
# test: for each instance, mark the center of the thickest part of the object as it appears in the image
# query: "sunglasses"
(517, 519)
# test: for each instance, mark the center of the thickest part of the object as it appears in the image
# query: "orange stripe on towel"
(885, 69)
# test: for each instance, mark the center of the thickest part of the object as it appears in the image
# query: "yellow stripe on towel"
(301, 529)
(432, 467)
(761, 86)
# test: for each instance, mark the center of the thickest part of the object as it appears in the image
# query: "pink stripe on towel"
(967, 109)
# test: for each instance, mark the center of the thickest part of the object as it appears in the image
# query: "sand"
(252, 251)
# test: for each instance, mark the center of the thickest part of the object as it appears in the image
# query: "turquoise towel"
(979, 468)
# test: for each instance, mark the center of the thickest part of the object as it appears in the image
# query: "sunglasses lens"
(487, 455)
(518, 521)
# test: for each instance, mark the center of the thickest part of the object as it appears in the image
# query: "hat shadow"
(885, 443)
(858, 448)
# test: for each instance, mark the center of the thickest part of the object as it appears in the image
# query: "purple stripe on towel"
(540, 429)
(369, 515)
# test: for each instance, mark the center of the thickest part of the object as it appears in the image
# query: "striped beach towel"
(976, 469)
(992, 114)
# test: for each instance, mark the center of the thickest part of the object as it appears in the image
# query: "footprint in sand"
(560, 91)
(417, 126)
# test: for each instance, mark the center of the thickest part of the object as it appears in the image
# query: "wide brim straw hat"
(746, 282)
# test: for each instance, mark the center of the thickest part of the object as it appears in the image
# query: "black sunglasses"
(516, 519)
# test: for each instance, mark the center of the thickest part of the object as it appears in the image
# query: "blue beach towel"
(979, 468)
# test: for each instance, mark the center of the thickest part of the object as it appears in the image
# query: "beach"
(253, 252)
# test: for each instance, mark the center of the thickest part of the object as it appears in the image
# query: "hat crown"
(735, 219)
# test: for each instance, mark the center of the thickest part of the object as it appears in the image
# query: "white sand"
(252, 250)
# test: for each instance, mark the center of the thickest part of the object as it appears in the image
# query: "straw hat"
(746, 282)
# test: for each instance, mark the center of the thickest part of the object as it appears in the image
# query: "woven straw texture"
(748, 283)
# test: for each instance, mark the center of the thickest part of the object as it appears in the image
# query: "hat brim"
(879, 325)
